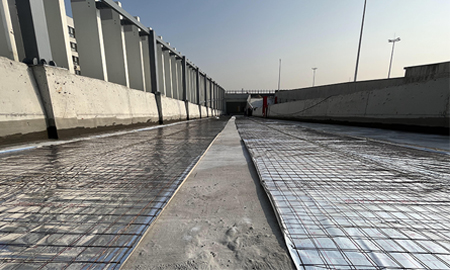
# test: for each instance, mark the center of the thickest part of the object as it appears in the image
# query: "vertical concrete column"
(222, 99)
(197, 85)
(33, 26)
(206, 94)
(216, 100)
(155, 71)
(134, 55)
(115, 51)
(91, 49)
(194, 86)
(217, 97)
(189, 83)
(55, 11)
(16, 29)
(197, 90)
(153, 52)
(146, 61)
(167, 73)
(180, 78)
(184, 85)
(174, 74)
(161, 70)
(202, 90)
(210, 92)
(212, 97)
(8, 46)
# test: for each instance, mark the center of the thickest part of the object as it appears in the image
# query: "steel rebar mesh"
(85, 205)
(349, 203)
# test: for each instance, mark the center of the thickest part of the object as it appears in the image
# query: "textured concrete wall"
(335, 89)
(34, 100)
(173, 109)
(194, 112)
(82, 102)
(258, 112)
(21, 110)
(424, 104)
(204, 111)
(427, 72)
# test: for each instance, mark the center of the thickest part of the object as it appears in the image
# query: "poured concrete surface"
(220, 218)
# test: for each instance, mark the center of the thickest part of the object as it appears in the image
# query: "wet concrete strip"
(220, 219)
(87, 203)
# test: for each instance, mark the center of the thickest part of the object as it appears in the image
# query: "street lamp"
(360, 39)
(392, 54)
(314, 76)
(279, 75)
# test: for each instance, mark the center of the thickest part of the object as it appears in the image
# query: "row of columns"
(35, 32)
(112, 46)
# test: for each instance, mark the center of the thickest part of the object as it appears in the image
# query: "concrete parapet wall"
(194, 111)
(204, 111)
(424, 104)
(258, 112)
(333, 89)
(40, 99)
(173, 109)
(21, 109)
(82, 102)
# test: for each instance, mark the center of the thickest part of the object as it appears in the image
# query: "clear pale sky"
(239, 42)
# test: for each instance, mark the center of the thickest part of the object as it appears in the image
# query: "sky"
(239, 43)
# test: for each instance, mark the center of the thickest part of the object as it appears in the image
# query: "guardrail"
(250, 91)
(112, 45)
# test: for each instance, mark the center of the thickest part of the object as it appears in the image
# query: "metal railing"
(250, 91)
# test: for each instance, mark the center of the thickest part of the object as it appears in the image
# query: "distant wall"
(335, 89)
(35, 99)
(421, 99)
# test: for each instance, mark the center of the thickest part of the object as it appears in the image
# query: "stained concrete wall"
(334, 89)
(420, 104)
(173, 109)
(82, 102)
(203, 111)
(194, 111)
(34, 99)
(21, 110)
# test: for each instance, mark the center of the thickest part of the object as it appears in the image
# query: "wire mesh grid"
(346, 203)
(85, 205)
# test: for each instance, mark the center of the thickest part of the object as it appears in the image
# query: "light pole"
(392, 54)
(360, 39)
(279, 75)
(314, 76)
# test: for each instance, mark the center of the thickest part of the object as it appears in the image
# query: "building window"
(71, 32)
(76, 60)
(73, 46)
